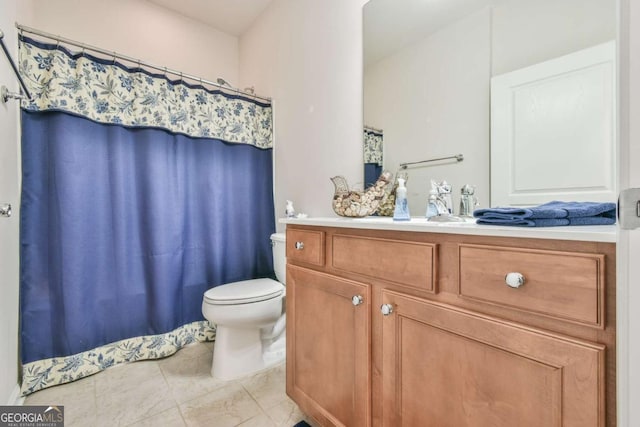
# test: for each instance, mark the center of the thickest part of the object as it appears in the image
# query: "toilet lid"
(244, 292)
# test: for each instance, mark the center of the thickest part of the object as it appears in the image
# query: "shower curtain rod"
(5, 94)
(165, 70)
(367, 127)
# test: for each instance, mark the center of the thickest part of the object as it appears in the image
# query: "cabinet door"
(328, 347)
(448, 367)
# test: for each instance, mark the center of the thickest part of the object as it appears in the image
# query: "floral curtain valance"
(372, 147)
(109, 92)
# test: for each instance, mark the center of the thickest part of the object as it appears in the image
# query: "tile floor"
(176, 391)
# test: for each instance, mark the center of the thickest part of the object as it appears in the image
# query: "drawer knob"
(357, 300)
(299, 245)
(514, 280)
(386, 309)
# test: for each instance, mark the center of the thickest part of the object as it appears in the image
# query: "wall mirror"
(513, 85)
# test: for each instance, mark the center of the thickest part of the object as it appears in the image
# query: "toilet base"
(275, 352)
(241, 351)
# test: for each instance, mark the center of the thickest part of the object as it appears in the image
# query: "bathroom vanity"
(421, 324)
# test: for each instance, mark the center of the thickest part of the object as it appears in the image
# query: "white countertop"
(590, 233)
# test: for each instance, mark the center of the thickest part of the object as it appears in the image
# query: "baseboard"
(15, 398)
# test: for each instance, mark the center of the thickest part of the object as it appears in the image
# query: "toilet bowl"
(250, 321)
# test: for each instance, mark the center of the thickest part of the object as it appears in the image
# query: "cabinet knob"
(357, 300)
(514, 280)
(386, 309)
(299, 245)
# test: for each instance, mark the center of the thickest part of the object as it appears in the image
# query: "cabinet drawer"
(306, 246)
(564, 285)
(406, 263)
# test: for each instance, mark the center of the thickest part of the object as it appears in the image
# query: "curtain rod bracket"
(6, 95)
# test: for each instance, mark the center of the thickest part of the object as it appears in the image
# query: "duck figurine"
(359, 203)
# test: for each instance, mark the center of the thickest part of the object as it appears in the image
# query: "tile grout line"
(257, 403)
(265, 411)
(184, 421)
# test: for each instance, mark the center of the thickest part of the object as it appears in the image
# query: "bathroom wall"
(144, 30)
(525, 32)
(10, 10)
(308, 55)
(432, 100)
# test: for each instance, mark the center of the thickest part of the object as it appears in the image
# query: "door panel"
(328, 347)
(448, 367)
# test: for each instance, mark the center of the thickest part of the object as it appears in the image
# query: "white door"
(628, 271)
(565, 106)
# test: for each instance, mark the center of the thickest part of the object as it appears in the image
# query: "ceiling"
(388, 24)
(388, 27)
(230, 16)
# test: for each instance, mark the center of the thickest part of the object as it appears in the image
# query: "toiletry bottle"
(432, 203)
(401, 212)
(289, 210)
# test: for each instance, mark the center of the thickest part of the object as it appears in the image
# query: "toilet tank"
(278, 247)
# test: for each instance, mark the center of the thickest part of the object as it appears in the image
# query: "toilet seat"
(244, 292)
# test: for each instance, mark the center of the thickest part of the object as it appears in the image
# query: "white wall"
(432, 100)
(144, 30)
(526, 32)
(307, 54)
(9, 192)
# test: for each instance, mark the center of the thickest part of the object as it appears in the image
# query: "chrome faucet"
(445, 207)
(468, 201)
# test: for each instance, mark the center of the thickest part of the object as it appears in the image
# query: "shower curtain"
(139, 193)
(372, 156)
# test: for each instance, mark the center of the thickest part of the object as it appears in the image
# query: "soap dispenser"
(401, 212)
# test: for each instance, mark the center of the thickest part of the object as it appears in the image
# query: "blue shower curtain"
(123, 230)
(124, 226)
(371, 173)
(373, 141)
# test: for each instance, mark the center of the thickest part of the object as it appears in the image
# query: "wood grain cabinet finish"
(454, 346)
(306, 246)
(406, 263)
(328, 347)
(565, 285)
(447, 367)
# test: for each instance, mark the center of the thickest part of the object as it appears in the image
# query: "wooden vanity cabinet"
(328, 347)
(438, 338)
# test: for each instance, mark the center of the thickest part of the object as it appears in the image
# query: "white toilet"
(250, 320)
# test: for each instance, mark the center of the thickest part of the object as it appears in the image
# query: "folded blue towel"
(550, 214)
